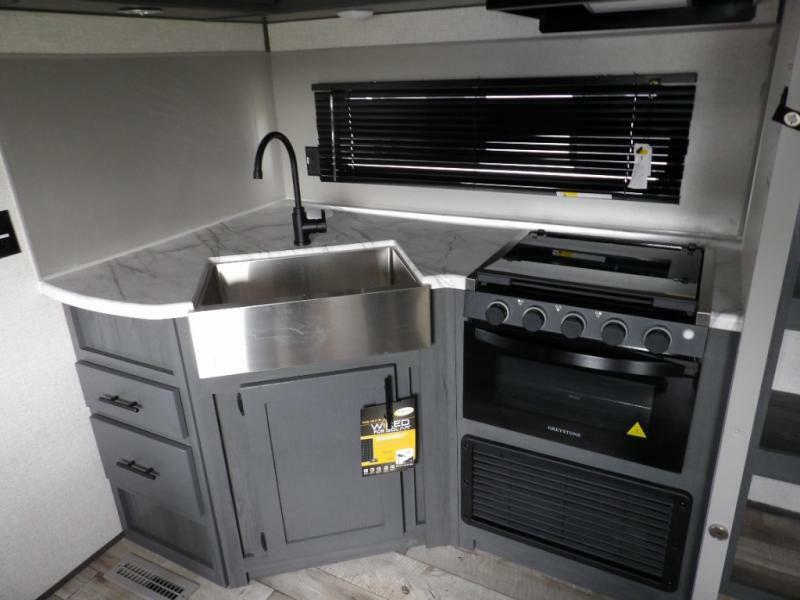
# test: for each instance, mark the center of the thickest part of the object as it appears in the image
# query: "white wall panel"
(732, 67)
(56, 507)
(110, 153)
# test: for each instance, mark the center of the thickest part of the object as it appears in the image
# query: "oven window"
(580, 393)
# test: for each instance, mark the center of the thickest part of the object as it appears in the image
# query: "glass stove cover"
(613, 273)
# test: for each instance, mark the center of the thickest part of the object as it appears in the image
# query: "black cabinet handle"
(130, 465)
(121, 403)
(388, 388)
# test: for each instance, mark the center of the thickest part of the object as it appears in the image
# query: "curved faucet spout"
(303, 226)
(258, 173)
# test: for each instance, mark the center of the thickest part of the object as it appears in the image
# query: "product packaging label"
(388, 448)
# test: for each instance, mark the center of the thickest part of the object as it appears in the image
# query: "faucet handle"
(316, 222)
(320, 225)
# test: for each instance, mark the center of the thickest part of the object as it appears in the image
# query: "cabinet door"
(303, 463)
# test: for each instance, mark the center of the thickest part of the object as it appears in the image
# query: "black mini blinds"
(606, 137)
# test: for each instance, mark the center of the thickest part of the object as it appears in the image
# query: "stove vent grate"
(149, 581)
(623, 525)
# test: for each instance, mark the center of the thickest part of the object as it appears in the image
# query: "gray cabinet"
(294, 457)
(132, 375)
(254, 474)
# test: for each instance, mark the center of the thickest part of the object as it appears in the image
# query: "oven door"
(618, 402)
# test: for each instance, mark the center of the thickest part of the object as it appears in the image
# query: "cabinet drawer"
(133, 400)
(141, 463)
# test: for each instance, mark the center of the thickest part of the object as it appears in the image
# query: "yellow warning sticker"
(637, 431)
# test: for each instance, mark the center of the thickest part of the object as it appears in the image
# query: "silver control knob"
(613, 332)
(657, 340)
(572, 325)
(496, 313)
(533, 319)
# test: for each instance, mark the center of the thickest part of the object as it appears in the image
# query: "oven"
(621, 402)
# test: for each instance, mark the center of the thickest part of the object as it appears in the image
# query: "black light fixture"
(580, 15)
(140, 11)
(607, 6)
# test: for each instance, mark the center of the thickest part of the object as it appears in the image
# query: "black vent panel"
(618, 524)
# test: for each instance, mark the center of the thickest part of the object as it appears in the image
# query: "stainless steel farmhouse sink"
(305, 308)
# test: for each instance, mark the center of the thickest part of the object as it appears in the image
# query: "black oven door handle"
(624, 366)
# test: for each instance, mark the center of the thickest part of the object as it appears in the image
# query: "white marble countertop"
(160, 281)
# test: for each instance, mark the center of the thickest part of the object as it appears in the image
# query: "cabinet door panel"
(315, 498)
(321, 488)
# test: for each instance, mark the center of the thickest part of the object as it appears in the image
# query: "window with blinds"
(605, 137)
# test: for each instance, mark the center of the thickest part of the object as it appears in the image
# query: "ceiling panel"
(229, 10)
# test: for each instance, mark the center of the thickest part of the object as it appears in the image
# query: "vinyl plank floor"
(393, 576)
(494, 573)
(76, 583)
(444, 573)
(100, 589)
(768, 553)
(316, 584)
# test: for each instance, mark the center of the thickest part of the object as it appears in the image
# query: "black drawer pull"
(121, 403)
(130, 465)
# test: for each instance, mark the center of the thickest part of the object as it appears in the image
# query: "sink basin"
(305, 276)
(307, 308)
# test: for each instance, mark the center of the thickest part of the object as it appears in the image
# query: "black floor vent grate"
(623, 525)
(149, 581)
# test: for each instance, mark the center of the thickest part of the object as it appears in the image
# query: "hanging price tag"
(643, 157)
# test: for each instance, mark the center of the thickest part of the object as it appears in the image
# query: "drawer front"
(127, 341)
(144, 464)
(146, 404)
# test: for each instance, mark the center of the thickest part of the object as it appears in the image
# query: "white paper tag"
(643, 156)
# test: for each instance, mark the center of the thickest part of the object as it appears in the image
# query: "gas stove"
(584, 360)
(651, 297)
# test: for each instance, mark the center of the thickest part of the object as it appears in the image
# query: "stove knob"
(614, 332)
(496, 313)
(573, 325)
(657, 340)
(533, 319)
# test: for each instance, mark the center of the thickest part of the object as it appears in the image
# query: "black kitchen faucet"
(303, 226)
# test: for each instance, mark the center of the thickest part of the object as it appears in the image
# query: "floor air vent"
(626, 526)
(149, 581)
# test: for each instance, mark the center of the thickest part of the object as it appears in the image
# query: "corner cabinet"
(250, 475)
(295, 464)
